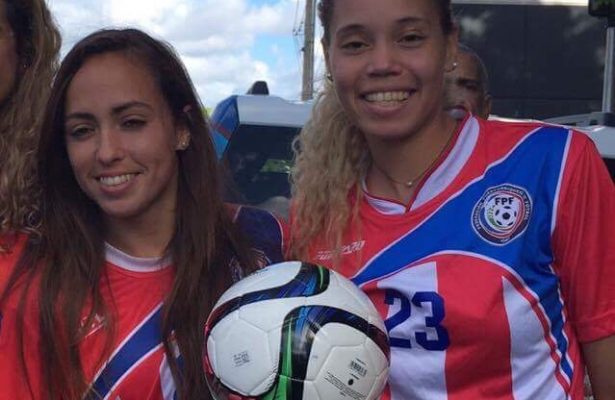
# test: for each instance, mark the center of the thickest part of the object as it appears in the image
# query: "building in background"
(545, 57)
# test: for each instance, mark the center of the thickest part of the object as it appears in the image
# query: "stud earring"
(183, 144)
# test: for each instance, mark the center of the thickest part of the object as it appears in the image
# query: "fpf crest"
(502, 213)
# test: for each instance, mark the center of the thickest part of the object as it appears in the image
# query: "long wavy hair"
(38, 45)
(330, 142)
(68, 255)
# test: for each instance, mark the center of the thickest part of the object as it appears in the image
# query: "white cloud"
(215, 38)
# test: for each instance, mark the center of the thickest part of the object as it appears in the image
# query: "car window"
(259, 159)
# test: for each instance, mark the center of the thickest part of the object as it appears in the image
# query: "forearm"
(600, 359)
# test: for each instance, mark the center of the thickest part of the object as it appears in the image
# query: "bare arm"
(600, 359)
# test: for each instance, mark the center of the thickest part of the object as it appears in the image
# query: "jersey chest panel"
(467, 288)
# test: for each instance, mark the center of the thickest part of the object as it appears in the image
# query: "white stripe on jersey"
(531, 378)
(451, 166)
(167, 384)
(418, 278)
(559, 182)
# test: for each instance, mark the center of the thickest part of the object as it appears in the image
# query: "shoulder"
(9, 259)
(250, 218)
(510, 128)
(534, 141)
(12, 243)
(263, 230)
(530, 128)
(11, 247)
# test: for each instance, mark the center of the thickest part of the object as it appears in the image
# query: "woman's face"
(387, 59)
(122, 139)
(8, 56)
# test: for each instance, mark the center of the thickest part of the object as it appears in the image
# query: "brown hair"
(38, 44)
(69, 253)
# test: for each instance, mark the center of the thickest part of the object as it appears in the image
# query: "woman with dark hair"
(486, 246)
(110, 299)
(29, 50)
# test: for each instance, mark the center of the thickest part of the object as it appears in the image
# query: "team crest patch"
(502, 213)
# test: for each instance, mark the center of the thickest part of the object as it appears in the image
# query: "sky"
(226, 45)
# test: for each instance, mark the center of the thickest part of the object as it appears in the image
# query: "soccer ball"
(295, 331)
(505, 216)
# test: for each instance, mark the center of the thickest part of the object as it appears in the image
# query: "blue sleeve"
(264, 233)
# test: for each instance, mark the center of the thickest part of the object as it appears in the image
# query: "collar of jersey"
(136, 264)
(441, 177)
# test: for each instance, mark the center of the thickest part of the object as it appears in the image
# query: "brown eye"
(411, 39)
(133, 123)
(354, 45)
(79, 132)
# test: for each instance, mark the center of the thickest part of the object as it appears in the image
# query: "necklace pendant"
(409, 184)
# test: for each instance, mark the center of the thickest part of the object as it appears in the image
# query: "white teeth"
(387, 96)
(115, 180)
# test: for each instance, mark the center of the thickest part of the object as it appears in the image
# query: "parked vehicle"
(253, 135)
(600, 127)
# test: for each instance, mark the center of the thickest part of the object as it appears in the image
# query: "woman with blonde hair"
(29, 51)
(485, 245)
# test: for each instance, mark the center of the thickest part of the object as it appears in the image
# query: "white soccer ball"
(295, 331)
(505, 216)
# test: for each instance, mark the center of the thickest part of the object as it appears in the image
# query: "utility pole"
(608, 90)
(308, 51)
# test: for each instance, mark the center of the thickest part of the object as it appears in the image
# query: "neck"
(141, 238)
(398, 166)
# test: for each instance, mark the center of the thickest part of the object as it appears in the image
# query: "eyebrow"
(351, 28)
(114, 111)
(123, 107)
(463, 80)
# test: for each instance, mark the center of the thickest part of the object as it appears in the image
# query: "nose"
(383, 60)
(110, 147)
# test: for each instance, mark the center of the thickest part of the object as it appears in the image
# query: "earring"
(455, 65)
(183, 144)
(329, 77)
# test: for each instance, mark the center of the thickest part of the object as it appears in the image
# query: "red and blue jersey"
(503, 263)
(134, 289)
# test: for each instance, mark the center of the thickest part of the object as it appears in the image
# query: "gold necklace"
(408, 184)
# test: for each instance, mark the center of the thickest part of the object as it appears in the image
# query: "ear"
(183, 138)
(325, 51)
(487, 106)
(452, 47)
(182, 131)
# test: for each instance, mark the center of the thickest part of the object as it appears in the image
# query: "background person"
(467, 86)
(110, 300)
(29, 49)
(478, 241)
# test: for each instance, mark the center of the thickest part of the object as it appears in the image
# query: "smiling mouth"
(387, 97)
(115, 180)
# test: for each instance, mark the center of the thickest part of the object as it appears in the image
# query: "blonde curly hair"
(38, 44)
(331, 157)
